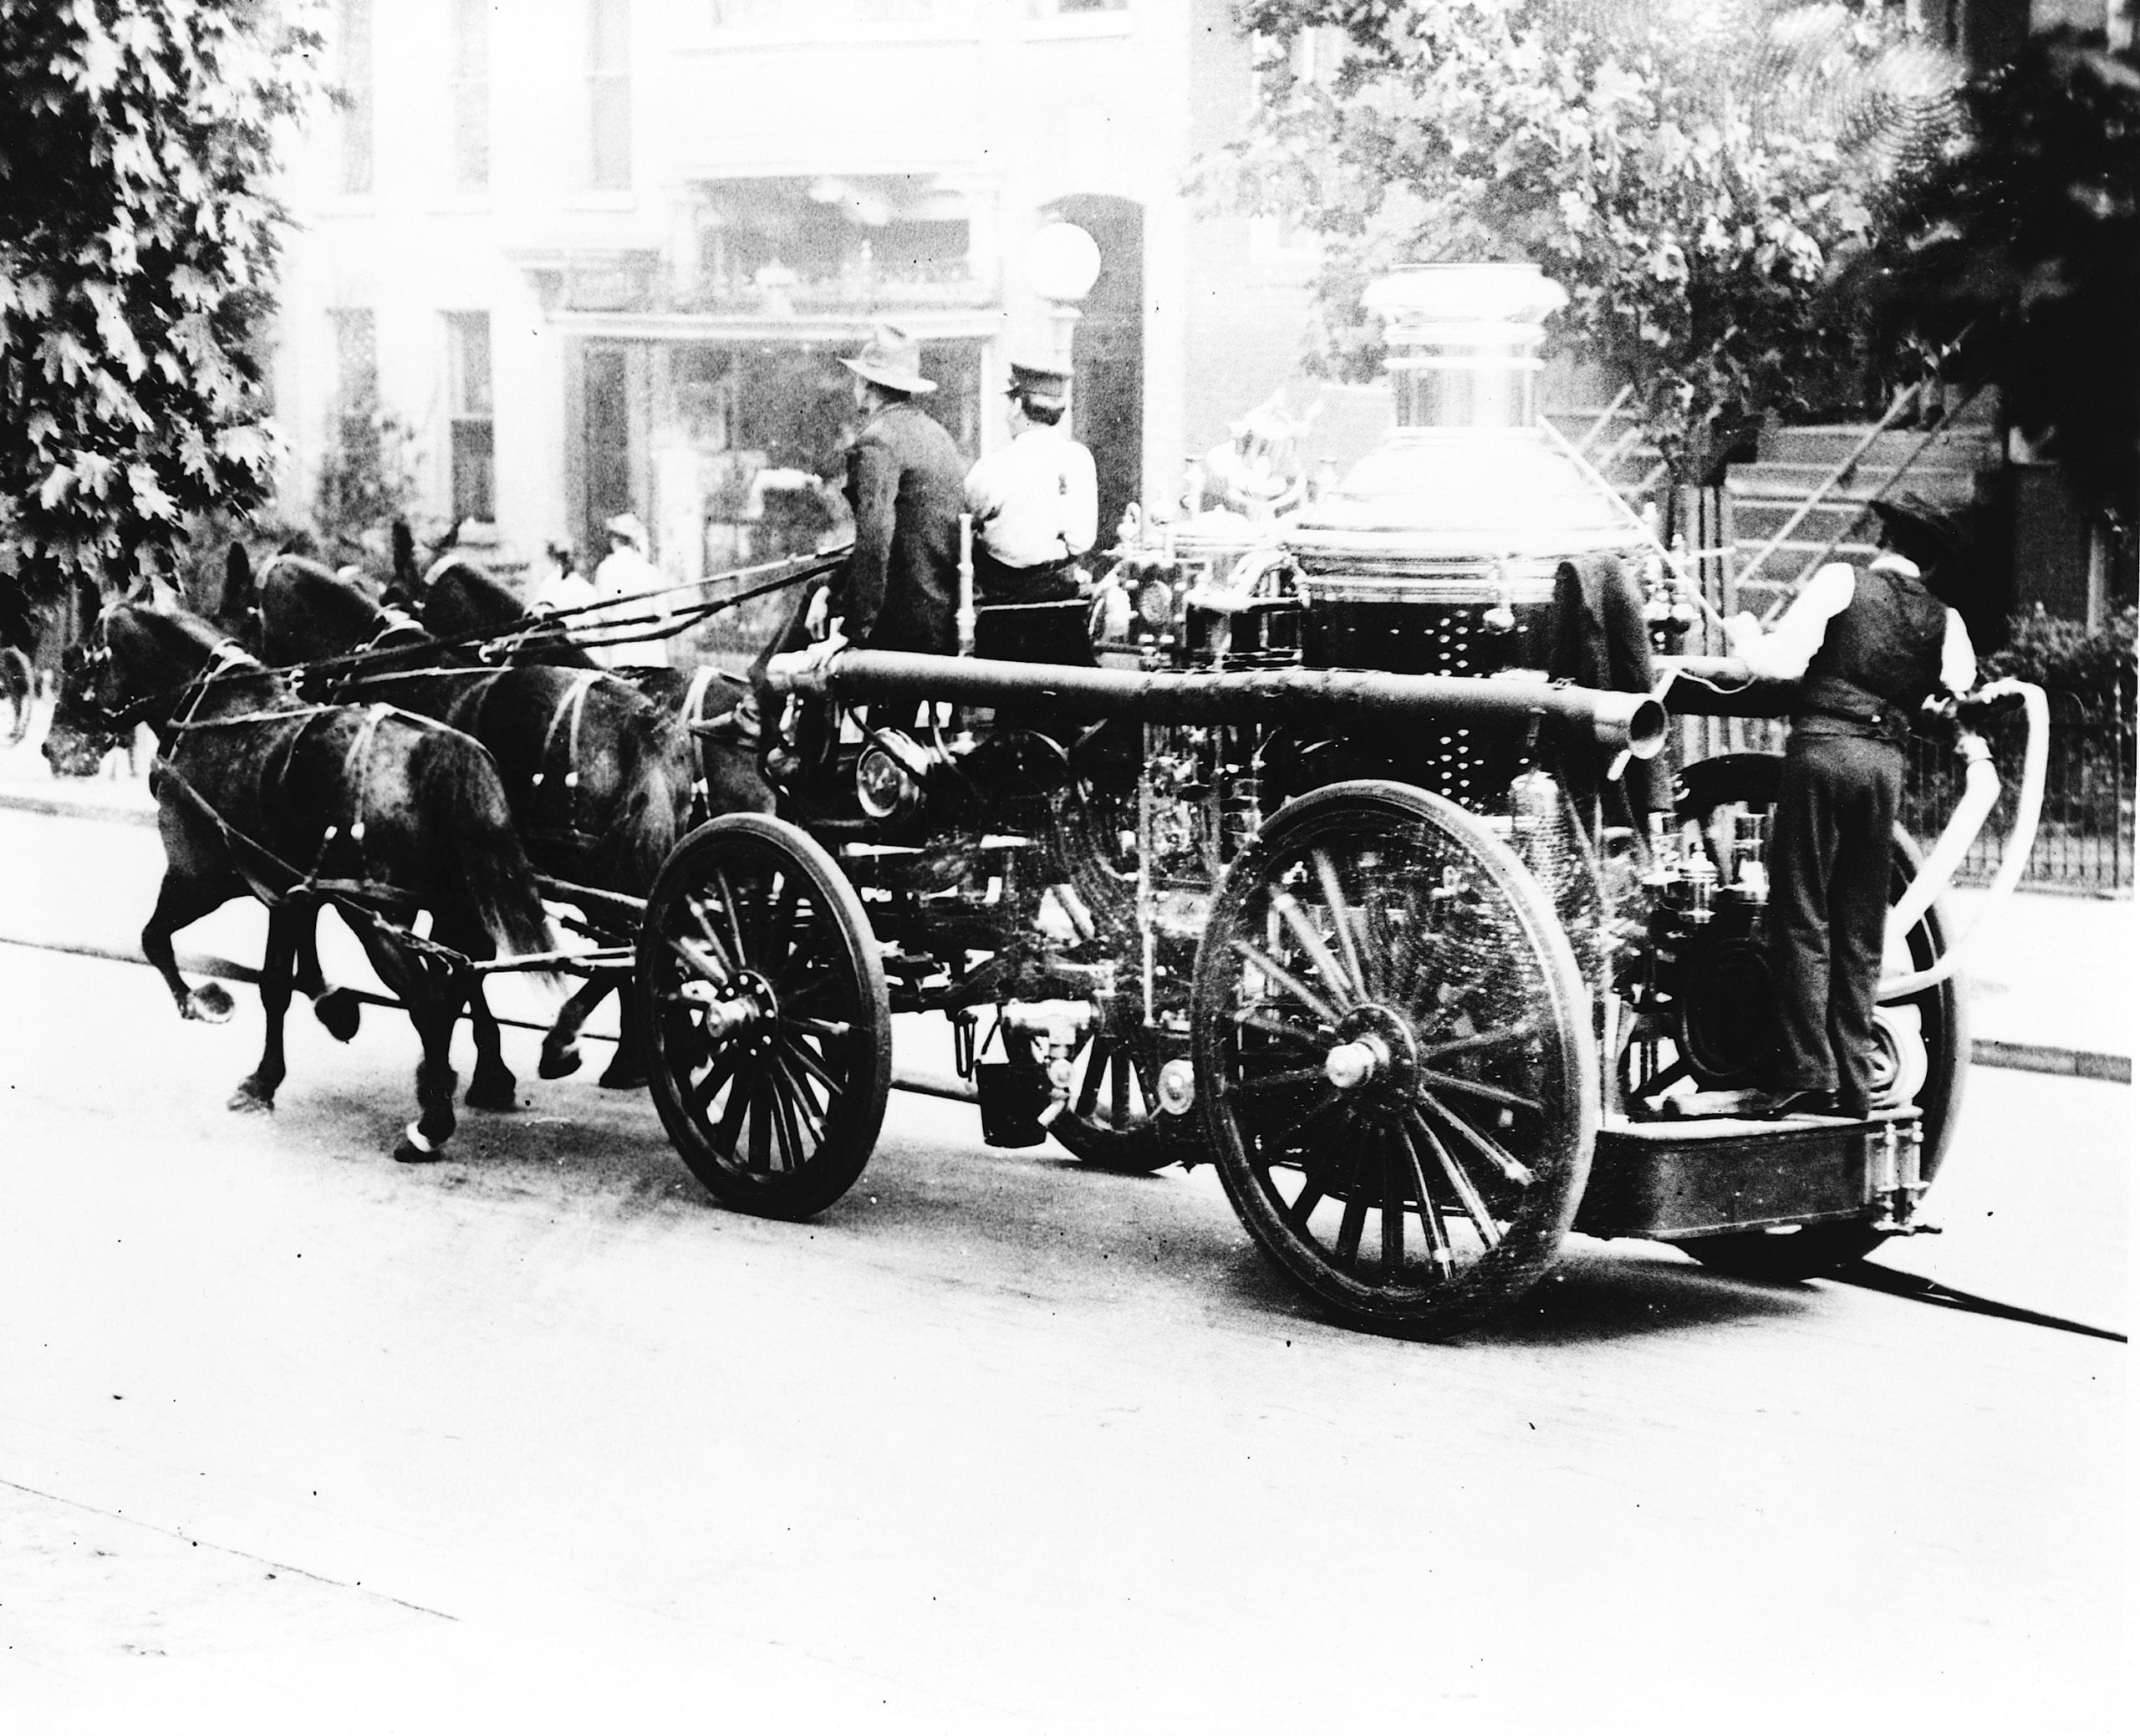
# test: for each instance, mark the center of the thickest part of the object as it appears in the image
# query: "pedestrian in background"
(627, 578)
(563, 585)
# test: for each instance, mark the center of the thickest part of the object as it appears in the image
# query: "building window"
(468, 401)
(609, 93)
(468, 92)
(352, 86)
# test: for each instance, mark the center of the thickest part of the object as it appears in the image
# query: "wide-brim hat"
(891, 359)
(1922, 528)
(627, 525)
(1043, 385)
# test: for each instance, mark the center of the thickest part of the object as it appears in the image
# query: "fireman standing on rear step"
(1868, 646)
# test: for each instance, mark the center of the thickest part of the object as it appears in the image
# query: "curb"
(1983, 1051)
(126, 814)
(2041, 1058)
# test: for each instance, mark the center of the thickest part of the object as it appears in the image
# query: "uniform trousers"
(1829, 864)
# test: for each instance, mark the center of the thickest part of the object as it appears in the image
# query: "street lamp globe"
(1062, 262)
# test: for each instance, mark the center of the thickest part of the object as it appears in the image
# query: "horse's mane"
(320, 597)
(464, 599)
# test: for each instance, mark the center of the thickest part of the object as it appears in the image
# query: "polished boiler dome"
(1470, 479)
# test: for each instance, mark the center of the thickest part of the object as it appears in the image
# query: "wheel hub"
(742, 1008)
(1376, 1055)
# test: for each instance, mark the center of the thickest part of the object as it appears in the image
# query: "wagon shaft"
(1632, 721)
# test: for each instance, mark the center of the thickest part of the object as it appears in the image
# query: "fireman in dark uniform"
(898, 588)
(1867, 645)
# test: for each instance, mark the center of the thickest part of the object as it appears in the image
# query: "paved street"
(287, 1431)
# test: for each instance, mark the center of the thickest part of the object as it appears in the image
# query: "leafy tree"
(137, 246)
(2021, 250)
(1688, 170)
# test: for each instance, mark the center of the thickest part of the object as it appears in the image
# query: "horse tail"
(462, 804)
(655, 759)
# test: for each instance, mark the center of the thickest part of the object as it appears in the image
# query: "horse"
(380, 813)
(601, 781)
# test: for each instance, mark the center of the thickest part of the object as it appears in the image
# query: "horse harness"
(565, 725)
(248, 855)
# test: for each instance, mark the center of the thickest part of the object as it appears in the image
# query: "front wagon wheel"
(771, 1025)
(1393, 1058)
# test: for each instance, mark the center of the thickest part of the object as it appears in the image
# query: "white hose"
(1982, 788)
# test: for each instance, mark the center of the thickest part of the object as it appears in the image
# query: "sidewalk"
(2054, 977)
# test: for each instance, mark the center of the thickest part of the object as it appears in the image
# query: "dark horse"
(384, 815)
(456, 600)
(599, 779)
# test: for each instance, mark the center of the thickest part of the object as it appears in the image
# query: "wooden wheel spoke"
(728, 912)
(1341, 917)
(1331, 1098)
(723, 1070)
(1286, 1080)
(697, 907)
(1120, 1080)
(802, 1106)
(808, 1064)
(785, 1091)
(1286, 979)
(1381, 945)
(732, 1119)
(1393, 1212)
(1430, 1224)
(1479, 1040)
(831, 1030)
(1088, 1088)
(1347, 1247)
(698, 962)
(1488, 1148)
(776, 925)
(761, 1125)
(1284, 1032)
(1467, 1191)
(1478, 1088)
(1343, 984)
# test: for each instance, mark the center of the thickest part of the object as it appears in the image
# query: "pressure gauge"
(1155, 602)
(885, 788)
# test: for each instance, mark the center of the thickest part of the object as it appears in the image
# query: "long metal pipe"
(1628, 722)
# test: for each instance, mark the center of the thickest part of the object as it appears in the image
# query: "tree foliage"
(1688, 170)
(2021, 250)
(137, 244)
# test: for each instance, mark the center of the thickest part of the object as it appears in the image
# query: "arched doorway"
(1107, 353)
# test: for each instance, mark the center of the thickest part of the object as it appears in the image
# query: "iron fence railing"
(2084, 839)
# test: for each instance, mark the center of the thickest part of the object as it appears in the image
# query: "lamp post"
(1062, 262)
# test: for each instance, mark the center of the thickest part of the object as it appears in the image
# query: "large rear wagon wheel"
(1924, 1040)
(770, 1023)
(1394, 1060)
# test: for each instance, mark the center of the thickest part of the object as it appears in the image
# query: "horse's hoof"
(622, 1079)
(407, 1151)
(251, 1098)
(339, 1011)
(500, 1095)
(559, 1063)
(211, 1003)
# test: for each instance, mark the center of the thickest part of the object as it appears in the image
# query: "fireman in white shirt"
(1035, 503)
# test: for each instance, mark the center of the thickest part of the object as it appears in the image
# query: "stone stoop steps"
(1760, 498)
